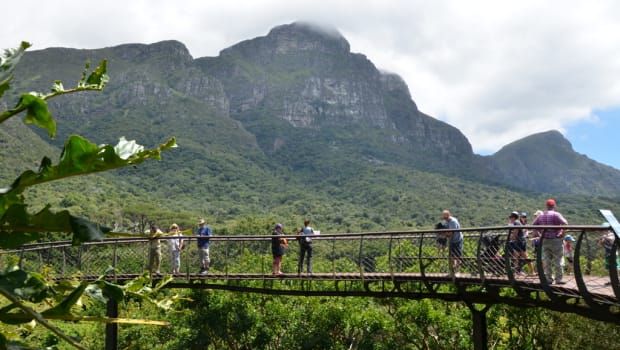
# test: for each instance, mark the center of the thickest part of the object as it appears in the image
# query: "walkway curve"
(407, 264)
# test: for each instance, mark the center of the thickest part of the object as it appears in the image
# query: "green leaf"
(112, 291)
(86, 231)
(26, 286)
(98, 77)
(80, 157)
(64, 308)
(14, 318)
(37, 113)
(95, 80)
(102, 290)
(18, 227)
(8, 59)
(14, 240)
(4, 85)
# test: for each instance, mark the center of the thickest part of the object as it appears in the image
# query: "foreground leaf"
(37, 113)
(18, 227)
(64, 308)
(8, 59)
(24, 285)
(81, 157)
(35, 103)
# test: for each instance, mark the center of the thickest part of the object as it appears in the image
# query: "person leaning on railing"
(552, 245)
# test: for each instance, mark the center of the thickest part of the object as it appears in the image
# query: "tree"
(29, 296)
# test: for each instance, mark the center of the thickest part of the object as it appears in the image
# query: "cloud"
(496, 70)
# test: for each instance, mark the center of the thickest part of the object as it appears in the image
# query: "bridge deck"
(404, 264)
(596, 286)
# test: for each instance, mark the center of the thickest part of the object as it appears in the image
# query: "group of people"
(516, 249)
(176, 245)
(176, 242)
(556, 247)
(279, 245)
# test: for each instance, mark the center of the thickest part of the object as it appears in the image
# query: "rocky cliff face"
(295, 99)
(307, 77)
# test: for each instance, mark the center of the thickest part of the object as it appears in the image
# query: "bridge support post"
(111, 329)
(479, 320)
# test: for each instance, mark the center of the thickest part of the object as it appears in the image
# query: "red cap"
(550, 203)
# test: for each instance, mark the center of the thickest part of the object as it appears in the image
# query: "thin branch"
(89, 319)
(39, 318)
(20, 108)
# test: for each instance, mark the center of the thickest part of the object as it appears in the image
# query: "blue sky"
(598, 139)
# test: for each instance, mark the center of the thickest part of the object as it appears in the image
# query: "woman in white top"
(175, 245)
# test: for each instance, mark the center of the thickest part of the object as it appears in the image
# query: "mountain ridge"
(285, 131)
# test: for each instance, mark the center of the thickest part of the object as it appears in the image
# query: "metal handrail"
(407, 255)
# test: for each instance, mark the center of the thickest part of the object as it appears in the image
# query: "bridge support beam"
(111, 329)
(479, 320)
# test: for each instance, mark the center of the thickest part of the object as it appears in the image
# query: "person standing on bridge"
(517, 244)
(155, 250)
(204, 232)
(305, 246)
(456, 240)
(552, 241)
(607, 242)
(175, 245)
(278, 245)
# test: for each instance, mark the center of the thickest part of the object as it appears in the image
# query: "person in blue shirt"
(305, 246)
(203, 245)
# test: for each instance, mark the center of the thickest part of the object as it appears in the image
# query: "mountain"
(287, 125)
(546, 162)
(300, 90)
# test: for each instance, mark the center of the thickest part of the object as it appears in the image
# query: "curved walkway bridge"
(383, 264)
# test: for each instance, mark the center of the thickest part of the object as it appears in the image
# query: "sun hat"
(201, 222)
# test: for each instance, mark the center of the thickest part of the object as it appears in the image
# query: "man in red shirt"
(552, 242)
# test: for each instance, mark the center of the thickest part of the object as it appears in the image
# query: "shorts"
(456, 249)
(518, 246)
(203, 254)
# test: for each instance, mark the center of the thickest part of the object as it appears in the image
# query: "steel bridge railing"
(590, 276)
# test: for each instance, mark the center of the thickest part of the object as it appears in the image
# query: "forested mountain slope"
(288, 125)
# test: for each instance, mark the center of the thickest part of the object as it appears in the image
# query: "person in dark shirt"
(278, 245)
(204, 232)
(305, 247)
(517, 244)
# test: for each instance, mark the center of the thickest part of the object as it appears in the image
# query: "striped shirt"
(550, 218)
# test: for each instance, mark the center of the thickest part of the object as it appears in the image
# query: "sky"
(497, 70)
